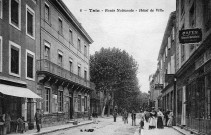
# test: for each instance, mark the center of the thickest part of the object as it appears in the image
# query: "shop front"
(17, 102)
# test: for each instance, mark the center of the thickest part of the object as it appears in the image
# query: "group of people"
(6, 120)
(158, 118)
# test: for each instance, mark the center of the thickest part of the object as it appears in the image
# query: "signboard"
(190, 36)
(169, 78)
(158, 86)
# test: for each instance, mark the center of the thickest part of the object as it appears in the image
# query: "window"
(14, 59)
(47, 13)
(79, 44)
(182, 7)
(60, 101)
(85, 74)
(30, 22)
(60, 26)
(85, 103)
(47, 51)
(0, 54)
(60, 55)
(173, 34)
(47, 99)
(1, 8)
(192, 16)
(79, 103)
(15, 13)
(182, 52)
(85, 50)
(169, 42)
(71, 65)
(207, 14)
(30, 63)
(79, 70)
(70, 36)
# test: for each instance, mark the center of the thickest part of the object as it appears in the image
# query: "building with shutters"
(62, 64)
(19, 37)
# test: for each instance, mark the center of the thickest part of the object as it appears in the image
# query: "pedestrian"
(7, 122)
(115, 115)
(152, 122)
(94, 116)
(170, 116)
(142, 119)
(38, 118)
(159, 119)
(147, 115)
(20, 124)
(125, 115)
(133, 116)
(166, 117)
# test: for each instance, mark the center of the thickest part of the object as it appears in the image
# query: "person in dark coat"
(38, 118)
(166, 117)
(115, 115)
(133, 116)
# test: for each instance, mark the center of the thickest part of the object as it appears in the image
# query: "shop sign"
(190, 36)
(169, 78)
(158, 86)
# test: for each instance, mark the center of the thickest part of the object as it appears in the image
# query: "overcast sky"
(138, 33)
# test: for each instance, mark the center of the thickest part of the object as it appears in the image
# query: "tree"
(115, 73)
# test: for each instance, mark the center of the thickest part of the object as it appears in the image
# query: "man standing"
(38, 117)
(115, 115)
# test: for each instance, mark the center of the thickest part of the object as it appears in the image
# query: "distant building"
(63, 77)
(166, 62)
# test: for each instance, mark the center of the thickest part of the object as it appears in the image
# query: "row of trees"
(115, 73)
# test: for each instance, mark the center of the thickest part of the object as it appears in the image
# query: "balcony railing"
(48, 66)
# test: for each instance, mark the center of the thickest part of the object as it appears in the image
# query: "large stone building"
(62, 65)
(193, 67)
(19, 37)
(44, 62)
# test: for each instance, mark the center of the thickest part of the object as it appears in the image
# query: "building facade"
(166, 61)
(193, 67)
(19, 37)
(63, 78)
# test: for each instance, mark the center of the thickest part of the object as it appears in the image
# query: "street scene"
(132, 67)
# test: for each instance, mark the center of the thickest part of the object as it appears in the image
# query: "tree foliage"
(115, 71)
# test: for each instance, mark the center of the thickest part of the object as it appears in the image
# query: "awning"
(17, 91)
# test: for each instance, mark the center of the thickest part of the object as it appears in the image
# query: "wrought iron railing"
(48, 66)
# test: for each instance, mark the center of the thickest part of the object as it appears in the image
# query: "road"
(106, 126)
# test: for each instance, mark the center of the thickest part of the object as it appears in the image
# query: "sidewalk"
(53, 128)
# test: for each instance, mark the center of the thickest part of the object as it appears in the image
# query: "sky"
(138, 33)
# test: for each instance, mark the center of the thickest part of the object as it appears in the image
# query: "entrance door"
(71, 107)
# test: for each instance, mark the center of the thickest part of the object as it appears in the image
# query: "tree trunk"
(108, 114)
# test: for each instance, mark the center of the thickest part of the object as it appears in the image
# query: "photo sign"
(190, 36)
(158, 86)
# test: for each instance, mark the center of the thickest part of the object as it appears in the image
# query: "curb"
(50, 131)
(178, 130)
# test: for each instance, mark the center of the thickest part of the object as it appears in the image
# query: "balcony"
(44, 65)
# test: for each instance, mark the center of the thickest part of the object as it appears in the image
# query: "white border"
(33, 54)
(19, 19)
(19, 47)
(31, 11)
(1, 53)
(1, 15)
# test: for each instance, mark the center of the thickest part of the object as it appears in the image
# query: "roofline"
(172, 17)
(75, 21)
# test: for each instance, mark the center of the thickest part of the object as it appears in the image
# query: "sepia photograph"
(114, 67)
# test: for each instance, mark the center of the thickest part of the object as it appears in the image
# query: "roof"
(74, 20)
